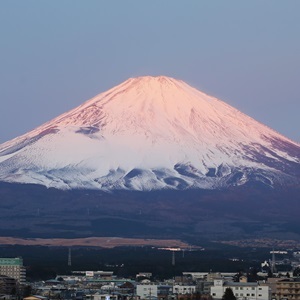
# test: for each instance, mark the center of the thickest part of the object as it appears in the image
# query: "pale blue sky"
(57, 54)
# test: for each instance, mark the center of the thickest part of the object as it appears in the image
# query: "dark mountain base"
(191, 215)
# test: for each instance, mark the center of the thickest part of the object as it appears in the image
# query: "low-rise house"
(184, 289)
(147, 291)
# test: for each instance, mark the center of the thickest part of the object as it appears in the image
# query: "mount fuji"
(151, 133)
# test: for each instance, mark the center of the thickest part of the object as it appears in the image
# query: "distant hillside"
(193, 215)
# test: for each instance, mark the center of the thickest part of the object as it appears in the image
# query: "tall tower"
(173, 258)
(69, 258)
(273, 262)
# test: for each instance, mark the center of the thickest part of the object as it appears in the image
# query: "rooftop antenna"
(69, 258)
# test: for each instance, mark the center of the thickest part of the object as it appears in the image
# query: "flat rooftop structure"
(203, 274)
(91, 273)
(17, 261)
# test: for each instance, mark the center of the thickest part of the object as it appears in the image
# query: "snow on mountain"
(150, 133)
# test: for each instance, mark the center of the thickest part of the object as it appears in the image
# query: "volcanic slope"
(151, 133)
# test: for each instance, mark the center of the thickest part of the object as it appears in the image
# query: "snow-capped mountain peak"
(150, 133)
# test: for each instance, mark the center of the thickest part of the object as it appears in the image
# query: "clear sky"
(56, 54)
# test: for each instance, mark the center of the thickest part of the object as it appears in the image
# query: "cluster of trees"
(228, 295)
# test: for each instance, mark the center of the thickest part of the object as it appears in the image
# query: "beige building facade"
(288, 289)
(13, 267)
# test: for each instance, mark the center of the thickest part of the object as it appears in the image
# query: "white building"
(241, 290)
(146, 291)
(184, 289)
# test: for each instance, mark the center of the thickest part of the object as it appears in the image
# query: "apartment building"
(241, 290)
(13, 267)
(288, 289)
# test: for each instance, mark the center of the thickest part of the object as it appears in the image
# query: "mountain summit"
(151, 133)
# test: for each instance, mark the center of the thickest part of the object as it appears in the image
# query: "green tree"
(228, 295)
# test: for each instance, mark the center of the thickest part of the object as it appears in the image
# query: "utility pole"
(273, 263)
(69, 258)
(173, 258)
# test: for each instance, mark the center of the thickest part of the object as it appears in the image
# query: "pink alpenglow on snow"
(151, 133)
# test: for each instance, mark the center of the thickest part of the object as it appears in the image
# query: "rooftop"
(17, 261)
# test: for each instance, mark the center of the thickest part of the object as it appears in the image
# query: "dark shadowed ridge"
(192, 215)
